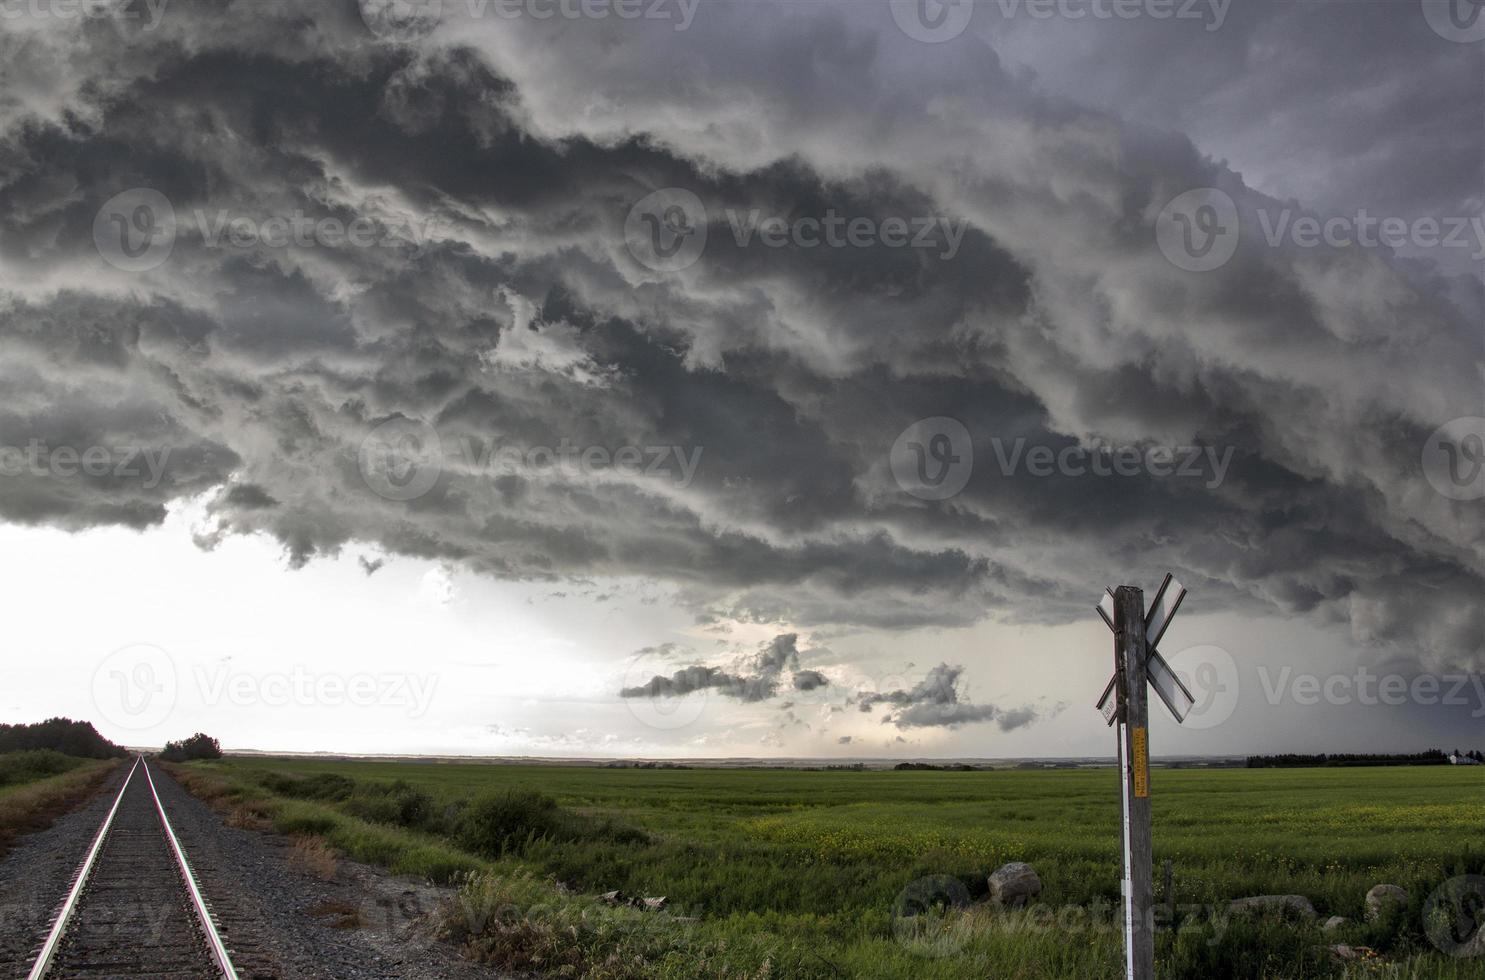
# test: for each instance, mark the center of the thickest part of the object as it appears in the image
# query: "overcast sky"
(737, 377)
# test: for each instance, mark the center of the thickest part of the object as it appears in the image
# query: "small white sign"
(1107, 703)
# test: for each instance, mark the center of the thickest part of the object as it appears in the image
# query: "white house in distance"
(1455, 759)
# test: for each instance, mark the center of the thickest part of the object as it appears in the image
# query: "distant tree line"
(930, 767)
(198, 746)
(627, 764)
(1433, 757)
(75, 738)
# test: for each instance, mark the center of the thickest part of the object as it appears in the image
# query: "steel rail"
(54, 938)
(213, 938)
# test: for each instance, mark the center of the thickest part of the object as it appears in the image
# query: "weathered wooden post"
(1125, 704)
(1134, 728)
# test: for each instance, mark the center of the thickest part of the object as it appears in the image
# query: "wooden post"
(1134, 757)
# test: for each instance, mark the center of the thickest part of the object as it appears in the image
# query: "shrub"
(506, 823)
(513, 821)
(397, 803)
(327, 786)
(28, 766)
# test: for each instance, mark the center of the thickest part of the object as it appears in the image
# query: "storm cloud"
(729, 426)
(760, 682)
(934, 702)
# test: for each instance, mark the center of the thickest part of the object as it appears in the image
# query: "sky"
(741, 378)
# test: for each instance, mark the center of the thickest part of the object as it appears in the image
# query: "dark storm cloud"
(1304, 62)
(809, 680)
(498, 303)
(934, 702)
(760, 682)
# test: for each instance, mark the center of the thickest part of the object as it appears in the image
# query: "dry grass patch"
(209, 789)
(313, 855)
(248, 817)
(36, 806)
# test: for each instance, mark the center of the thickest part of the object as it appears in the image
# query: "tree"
(198, 746)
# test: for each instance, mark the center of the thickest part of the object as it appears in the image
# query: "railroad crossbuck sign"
(1164, 680)
(1137, 663)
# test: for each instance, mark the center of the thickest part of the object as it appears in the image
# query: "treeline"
(75, 738)
(1433, 757)
(930, 767)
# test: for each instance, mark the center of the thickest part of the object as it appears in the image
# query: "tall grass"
(796, 874)
(32, 764)
(33, 799)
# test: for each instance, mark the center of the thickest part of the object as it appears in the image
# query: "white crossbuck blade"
(1175, 695)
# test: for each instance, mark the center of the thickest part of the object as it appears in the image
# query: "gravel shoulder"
(357, 923)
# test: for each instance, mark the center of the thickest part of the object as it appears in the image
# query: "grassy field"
(777, 873)
(38, 786)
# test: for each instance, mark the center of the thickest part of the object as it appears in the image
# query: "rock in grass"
(611, 898)
(1334, 922)
(1014, 885)
(1295, 905)
(654, 904)
(1380, 897)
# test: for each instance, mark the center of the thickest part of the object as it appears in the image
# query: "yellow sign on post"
(1141, 762)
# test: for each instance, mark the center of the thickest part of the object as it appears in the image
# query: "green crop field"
(788, 873)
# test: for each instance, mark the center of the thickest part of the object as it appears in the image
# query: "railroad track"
(135, 907)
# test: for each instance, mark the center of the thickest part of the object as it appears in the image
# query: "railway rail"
(135, 906)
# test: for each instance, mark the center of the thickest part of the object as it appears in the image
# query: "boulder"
(1334, 922)
(1014, 885)
(1381, 896)
(1295, 905)
(1474, 947)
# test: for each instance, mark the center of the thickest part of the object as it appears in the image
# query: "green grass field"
(780, 873)
(37, 786)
